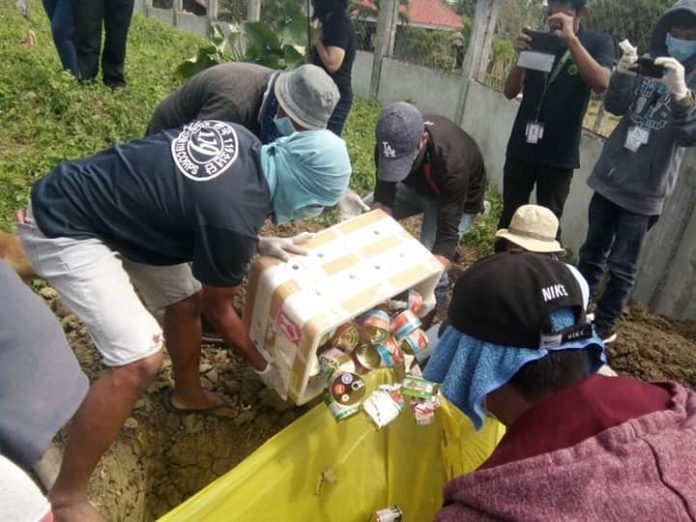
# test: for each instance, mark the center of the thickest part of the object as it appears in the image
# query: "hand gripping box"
(294, 308)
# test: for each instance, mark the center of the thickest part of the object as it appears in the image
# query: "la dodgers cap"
(399, 130)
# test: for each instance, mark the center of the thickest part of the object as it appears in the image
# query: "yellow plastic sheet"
(318, 470)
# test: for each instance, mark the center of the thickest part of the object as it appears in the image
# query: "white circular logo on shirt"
(205, 149)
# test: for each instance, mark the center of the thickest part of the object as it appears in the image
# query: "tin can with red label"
(391, 353)
(376, 325)
(334, 361)
(415, 342)
(415, 301)
(366, 358)
(404, 324)
(347, 389)
(390, 514)
(347, 337)
(424, 410)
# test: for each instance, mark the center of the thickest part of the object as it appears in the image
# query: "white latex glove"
(429, 303)
(281, 247)
(628, 58)
(674, 77)
(351, 205)
(272, 377)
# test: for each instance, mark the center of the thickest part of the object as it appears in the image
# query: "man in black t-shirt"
(334, 51)
(137, 216)
(544, 143)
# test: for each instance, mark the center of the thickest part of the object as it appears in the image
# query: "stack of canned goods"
(387, 336)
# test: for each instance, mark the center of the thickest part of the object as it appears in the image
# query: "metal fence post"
(386, 27)
(478, 51)
(211, 15)
(253, 10)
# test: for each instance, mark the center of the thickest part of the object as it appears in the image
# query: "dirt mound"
(654, 347)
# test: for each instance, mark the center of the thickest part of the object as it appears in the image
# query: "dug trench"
(160, 459)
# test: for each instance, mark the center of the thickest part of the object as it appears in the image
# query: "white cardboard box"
(293, 308)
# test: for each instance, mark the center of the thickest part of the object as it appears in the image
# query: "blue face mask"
(680, 49)
(284, 126)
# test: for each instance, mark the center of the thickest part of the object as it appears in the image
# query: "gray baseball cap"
(399, 130)
(308, 95)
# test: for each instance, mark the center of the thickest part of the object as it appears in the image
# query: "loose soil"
(160, 459)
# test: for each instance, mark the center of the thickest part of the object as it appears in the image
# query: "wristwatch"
(688, 100)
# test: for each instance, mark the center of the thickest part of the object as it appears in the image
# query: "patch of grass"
(359, 134)
(481, 236)
(47, 117)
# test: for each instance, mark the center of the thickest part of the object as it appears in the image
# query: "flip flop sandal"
(213, 411)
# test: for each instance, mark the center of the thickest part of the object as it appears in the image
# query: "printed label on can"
(390, 346)
(339, 412)
(380, 408)
(347, 389)
(334, 361)
(415, 301)
(376, 325)
(347, 337)
(387, 359)
(424, 410)
(418, 387)
(404, 324)
(415, 342)
(390, 514)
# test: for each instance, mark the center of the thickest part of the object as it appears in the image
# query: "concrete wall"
(362, 72)
(432, 91)
(667, 276)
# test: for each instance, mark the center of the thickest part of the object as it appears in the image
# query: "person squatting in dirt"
(267, 102)
(641, 160)
(175, 215)
(579, 445)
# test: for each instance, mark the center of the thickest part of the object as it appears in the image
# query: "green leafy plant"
(279, 43)
(265, 47)
(208, 54)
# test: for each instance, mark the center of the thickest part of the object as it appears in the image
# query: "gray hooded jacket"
(640, 181)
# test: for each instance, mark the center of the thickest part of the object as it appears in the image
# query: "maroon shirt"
(577, 413)
(636, 464)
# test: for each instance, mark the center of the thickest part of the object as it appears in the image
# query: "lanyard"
(548, 80)
(428, 173)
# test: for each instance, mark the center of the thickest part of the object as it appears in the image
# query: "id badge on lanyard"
(636, 137)
(534, 131)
